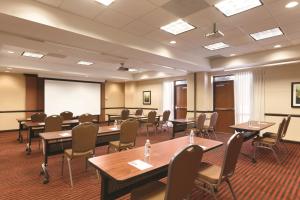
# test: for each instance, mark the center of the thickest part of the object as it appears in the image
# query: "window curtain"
(258, 111)
(249, 96)
(243, 95)
(168, 97)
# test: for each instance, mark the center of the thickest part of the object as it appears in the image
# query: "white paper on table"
(114, 129)
(254, 126)
(65, 134)
(141, 165)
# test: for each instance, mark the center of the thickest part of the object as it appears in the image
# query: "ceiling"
(128, 31)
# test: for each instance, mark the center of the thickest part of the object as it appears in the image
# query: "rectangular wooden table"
(180, 125)
(249, 130)
(31, 125)
(111, 117)
(55, 143)
(21, 122)
(119, 178)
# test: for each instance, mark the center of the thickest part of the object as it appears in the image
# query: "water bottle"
(147, 148)
(192, 135)
(115, 124)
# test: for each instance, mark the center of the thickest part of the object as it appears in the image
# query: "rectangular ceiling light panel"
(177, 27)
(266, 34)
(216, 46)
(232, 7)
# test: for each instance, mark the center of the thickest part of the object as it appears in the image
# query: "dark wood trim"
(10, 130)
(195, 94)
(20, 111)
(201, 111)
(71, 80)
(280, 115)
(108, 108)
(291, 141)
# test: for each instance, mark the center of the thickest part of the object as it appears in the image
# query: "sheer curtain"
(243, 95)
(249, 96)
(168, 97)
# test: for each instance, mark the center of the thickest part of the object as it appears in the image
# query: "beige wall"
(12, 90)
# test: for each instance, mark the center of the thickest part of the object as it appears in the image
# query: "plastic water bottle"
(192, 135)
(115, 124)
(147, 148)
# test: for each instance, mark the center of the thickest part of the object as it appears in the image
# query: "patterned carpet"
(19, 174)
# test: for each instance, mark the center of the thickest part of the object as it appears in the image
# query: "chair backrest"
(128, 131)
(124, 114)
(86, 118)
(53, 123)
(38, 117)
(66, 115)
(139, 112)
(84, 138)
(231, 155)
(152, 116)
(182, 172)
(166, 115)
(213, 120)
(287, 123)
(200, 121)
(280, 130)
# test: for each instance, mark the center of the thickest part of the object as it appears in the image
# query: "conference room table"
(32, 125)
(21, 122)
(180, 125)
(112, 117)
(250, 130)
(120, 172)
(55, 142)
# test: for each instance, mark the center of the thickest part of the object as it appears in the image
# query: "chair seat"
(209, 172)
(117, 144)
(151, 191)
(68, 152)
(265, 140)
(270, 134)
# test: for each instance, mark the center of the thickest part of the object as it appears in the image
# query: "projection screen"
(77, 97)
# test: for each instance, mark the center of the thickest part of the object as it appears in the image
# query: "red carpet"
(19, 174)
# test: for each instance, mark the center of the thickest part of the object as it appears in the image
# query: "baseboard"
(292, 141)
(10, 130)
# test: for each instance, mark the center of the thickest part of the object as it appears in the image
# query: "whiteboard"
(77, 97)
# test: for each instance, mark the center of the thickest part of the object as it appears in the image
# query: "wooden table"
(119, 178)
(21, 122)
(55, 142)
(249, 130)
(111, 117)
(180, 125)
(30, 125)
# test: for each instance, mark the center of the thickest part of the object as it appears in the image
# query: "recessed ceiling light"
(173, 42)
(182, 70)
(291, 4)
(266, 34)
(10, 52)
(9, 68)
(277, 46)
(105, 2)
(32, 54)
(6, 71)
(232, 54)
(216, 46)
(177, 27)
(84, 63)
(132, 70)
(167, 67)
(232, 7)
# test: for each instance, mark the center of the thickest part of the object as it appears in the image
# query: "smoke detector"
(215, 34)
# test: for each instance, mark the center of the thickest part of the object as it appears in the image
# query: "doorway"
(224, 104)
(180, 99)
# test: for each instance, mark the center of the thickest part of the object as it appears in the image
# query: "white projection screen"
(77, 97)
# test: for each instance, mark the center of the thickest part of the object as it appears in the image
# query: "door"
(224, 105)
(180, 101)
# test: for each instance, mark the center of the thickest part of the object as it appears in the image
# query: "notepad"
(141, 165)
(65, 134)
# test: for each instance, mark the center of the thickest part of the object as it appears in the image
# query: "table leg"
(44, 167)
(28, 144)
(104, 188)
(19, 137)
(250, 156)
(174, 129)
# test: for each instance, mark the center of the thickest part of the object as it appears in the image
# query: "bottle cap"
(147, 140)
